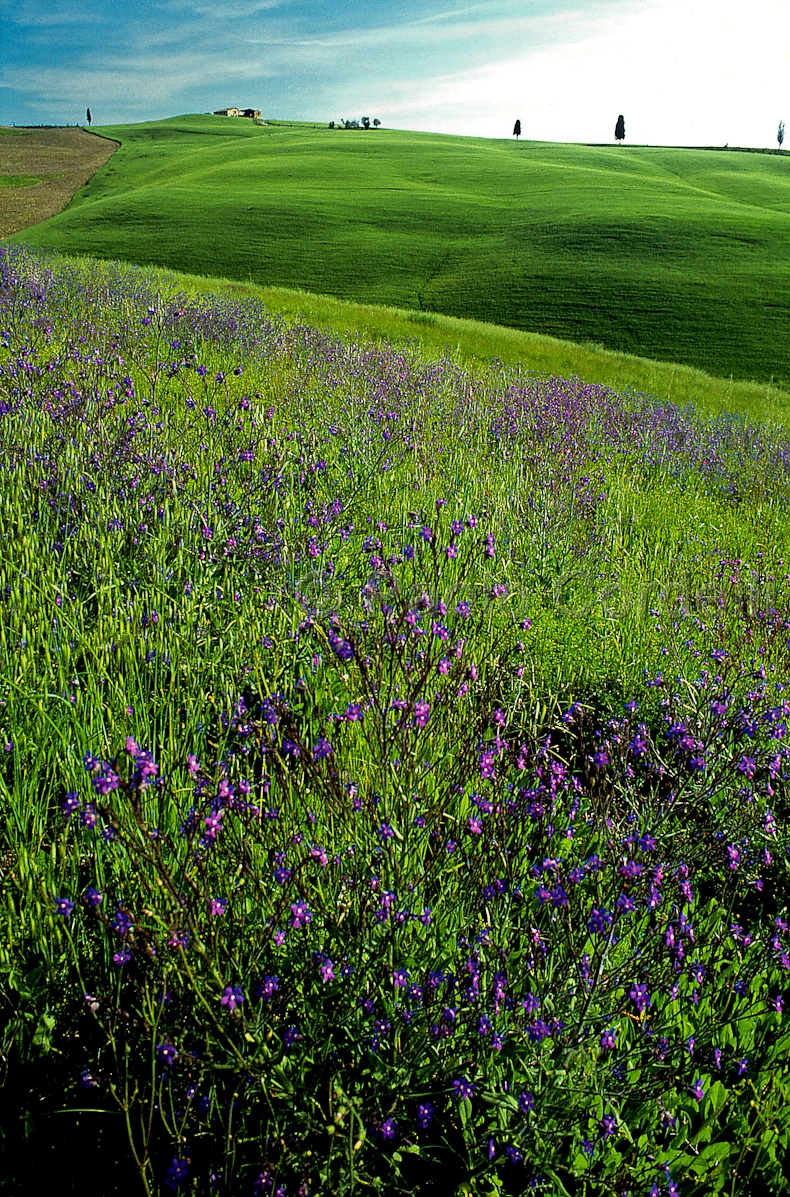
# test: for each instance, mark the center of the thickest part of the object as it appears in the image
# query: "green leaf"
(581, 1163)
(559, 1187)
(42, 1036)
(715, 1099)
(716, 1151)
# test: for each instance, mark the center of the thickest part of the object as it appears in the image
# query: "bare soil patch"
(62, 160)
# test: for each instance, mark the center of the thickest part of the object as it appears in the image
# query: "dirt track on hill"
(66, 157)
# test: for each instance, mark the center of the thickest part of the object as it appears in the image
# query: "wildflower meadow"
(393, 765)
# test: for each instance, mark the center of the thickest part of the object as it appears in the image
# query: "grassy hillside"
(475, 343)
(668, 253)
(394, 765)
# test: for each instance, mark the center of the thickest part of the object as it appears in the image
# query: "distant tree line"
(619, 131)
(364, 122)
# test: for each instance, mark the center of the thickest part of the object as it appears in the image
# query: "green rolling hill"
(674, 254)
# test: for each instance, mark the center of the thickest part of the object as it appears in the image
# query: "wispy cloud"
(480, 29)
(29, 14)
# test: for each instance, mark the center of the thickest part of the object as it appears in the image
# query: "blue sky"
(685, 72)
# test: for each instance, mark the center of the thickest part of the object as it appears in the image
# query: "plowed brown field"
(61, 159)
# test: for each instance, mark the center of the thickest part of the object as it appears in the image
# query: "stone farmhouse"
(252, 113)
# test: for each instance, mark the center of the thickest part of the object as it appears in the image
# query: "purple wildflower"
(301, 915)
(177, 1173)
(327, 970)
(322, 749)
(166, 1053)
(290, 1036)
(640, 997)
(268, 987)
(232, 997)
(607, 1126)
(599, 921)
(70, 805)
(425, 1115)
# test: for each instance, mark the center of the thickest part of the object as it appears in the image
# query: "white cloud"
(693, 72)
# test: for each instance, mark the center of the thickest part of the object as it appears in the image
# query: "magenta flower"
(327, 970)
(422, 711)
(301, 915)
